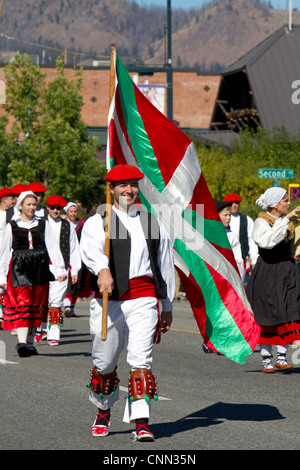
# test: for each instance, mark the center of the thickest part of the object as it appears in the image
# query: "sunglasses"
(58, 208)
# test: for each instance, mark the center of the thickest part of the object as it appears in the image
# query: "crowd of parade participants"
(44, 271)
(41, 274)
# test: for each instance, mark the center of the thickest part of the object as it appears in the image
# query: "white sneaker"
(142, 433)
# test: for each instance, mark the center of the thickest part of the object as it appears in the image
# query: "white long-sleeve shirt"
(2, 225)
(92, 251)
(3, 222)
(235, 227)
(237, 252)
(75, 259)
(266, 236)
(51, 245)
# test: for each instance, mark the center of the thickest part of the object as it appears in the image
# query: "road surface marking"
(3, 361)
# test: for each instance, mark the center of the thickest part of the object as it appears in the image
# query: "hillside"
(224, 33)
(210, 37)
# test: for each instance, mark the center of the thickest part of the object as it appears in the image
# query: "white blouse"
(51, 245)
(2, 225)
(266, 236)
(92, 251)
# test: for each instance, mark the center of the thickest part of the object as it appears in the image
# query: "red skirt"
(286, 333)
(24, 306)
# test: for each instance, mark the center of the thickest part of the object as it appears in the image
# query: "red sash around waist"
(142, 286)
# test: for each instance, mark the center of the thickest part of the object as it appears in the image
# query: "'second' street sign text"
(275, 174)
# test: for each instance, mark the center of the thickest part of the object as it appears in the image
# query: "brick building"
(194, 96)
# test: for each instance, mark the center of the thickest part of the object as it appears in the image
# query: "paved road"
(207, 402)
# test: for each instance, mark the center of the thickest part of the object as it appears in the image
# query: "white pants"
(57, 292)
(132, 323)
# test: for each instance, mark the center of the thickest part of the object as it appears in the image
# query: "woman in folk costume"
(274, 287)
(24, 272)
(82, 286)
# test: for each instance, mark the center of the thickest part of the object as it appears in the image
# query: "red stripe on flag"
(115, 149)
(120, 114)
(169, 143)
(197, 303)
(202, 195)
(196, 300)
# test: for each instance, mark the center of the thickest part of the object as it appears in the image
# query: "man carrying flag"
(138, 134)
(139, 271)
(174, 189)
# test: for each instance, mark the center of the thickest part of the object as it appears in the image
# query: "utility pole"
(169, 63)
(167, 67)
(289, 6)
(1, 8)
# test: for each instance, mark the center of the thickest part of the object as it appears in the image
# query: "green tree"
(25, 84)
(51, 143)
(237, 171)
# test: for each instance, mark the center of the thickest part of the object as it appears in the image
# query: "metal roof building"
(257, 89)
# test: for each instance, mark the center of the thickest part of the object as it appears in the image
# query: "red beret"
(36, 188)
(56, 200)
(232, 198)
(124, 172)
(18, 189)
(4, 192)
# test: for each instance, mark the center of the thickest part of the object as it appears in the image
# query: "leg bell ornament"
(142, 384)
(55, 317)
(103, 384)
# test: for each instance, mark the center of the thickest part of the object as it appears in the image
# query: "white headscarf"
(70, 204)
(270, 198)
(22, 196)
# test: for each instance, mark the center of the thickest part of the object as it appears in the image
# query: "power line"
(22, 41)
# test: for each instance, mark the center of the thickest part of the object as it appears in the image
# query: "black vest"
(20, 236)
(64, 241)
(244, 235)
(119, 260)
(9, 214)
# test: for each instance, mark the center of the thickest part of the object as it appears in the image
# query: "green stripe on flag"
(220, 326)
(146, 204)
(212, 230)
(139, 140)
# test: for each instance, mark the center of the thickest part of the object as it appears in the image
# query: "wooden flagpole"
(108, 205)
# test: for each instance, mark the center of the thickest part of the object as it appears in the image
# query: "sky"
(186, 4)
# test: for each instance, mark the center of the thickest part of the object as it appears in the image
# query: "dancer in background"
(224, 211)
(25, 273)
(274, 286)
(7, 202)
(242, 226)
(82, 287)
(65, 237)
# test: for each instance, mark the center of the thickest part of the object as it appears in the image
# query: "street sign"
(275, 174)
